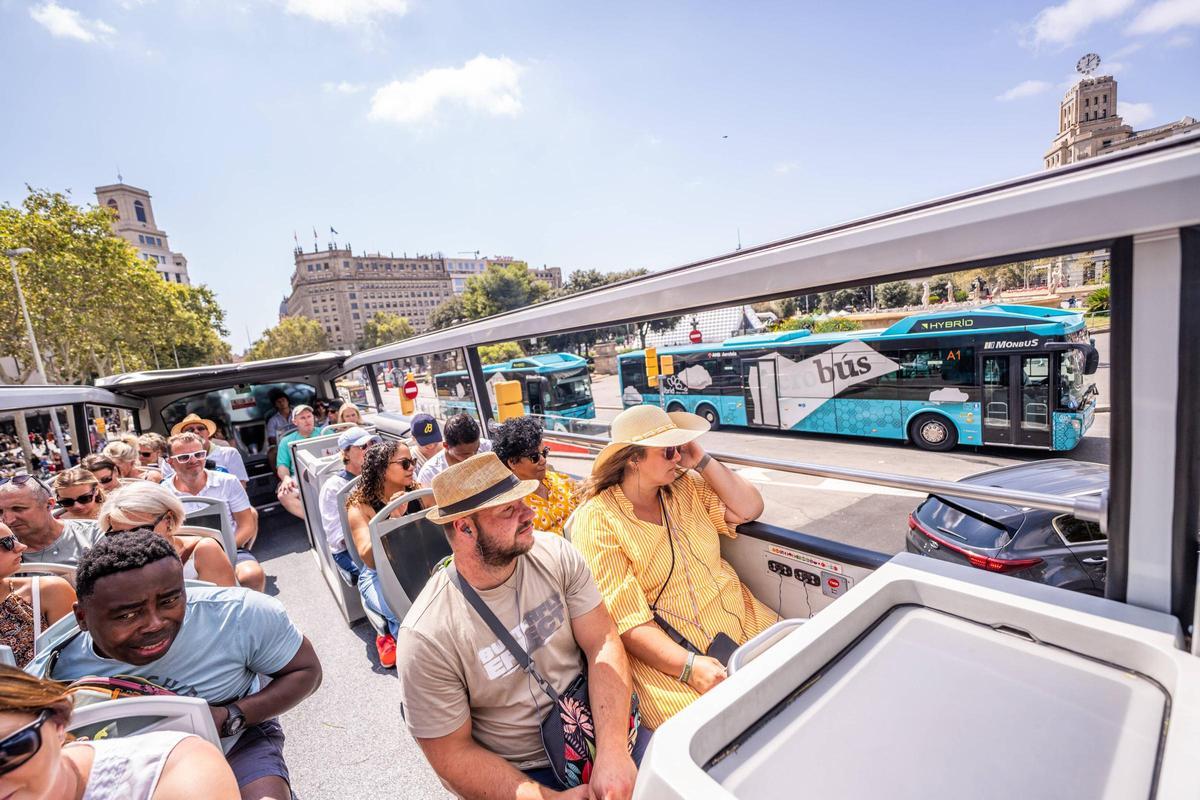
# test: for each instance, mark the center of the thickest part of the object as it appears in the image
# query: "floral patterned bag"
(568, 732)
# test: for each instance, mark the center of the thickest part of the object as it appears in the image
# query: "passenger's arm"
(742, 500)
(299, 678)
(609, 688)
(58, 598)
(360, 533)
(650, 644)
(473, 772)
(194, 763)
(212, 564)
(246, 526)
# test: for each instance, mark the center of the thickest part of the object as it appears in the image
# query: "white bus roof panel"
(16, 398)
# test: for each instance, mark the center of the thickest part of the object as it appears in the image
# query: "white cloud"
(784, 167)
(342, 87)
(1135, 114)
(483, 84)
(1179, 40)
(1166, 15)
(1024, 89)
(67, 23)
(1128, 49)
(347, 12)
(1061, 24)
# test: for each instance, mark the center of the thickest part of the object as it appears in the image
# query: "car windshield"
(1072, 388)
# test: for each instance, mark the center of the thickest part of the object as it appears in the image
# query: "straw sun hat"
(482, 481)
(192, 419)
(650, 426)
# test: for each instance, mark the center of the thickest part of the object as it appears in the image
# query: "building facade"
(1088, 124)
(342, 291)
(135, 224)
(551, 275)
(461, 269)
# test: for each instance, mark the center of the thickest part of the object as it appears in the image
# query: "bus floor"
(348, 739)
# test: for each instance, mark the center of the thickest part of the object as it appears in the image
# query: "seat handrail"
(46, 568)
(1089, 507)
(755, 645)
(402, 500)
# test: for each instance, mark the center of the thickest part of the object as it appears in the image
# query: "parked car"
(1042, 546)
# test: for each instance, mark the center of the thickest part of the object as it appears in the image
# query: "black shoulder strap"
(498, 628)
(52, 662)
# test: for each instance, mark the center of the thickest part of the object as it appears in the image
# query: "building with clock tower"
(1088, 122)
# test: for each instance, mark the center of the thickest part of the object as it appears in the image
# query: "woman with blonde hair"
(78, 491)
(655, 508)
(152, 452)
(27, 605)
(145, 505)
(38, 763)
(125, 458)
(347, 413)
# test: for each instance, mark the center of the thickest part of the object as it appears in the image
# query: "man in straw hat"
(475, 713)
(223, 458)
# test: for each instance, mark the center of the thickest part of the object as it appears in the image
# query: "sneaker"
(385, 645)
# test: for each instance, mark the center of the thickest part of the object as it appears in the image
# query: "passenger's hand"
(286, 485)
(690, 454)
(613, 775)
(707, 672)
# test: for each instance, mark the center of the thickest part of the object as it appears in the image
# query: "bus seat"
(225, 537)
(45, 568)
(58, 512)
(133, 715)
(567, 525)
(6, 656)
(407, 550)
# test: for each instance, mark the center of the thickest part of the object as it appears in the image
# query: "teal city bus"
(995, 374)
(552, 385)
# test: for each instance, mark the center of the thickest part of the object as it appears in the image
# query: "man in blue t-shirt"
(137, 618)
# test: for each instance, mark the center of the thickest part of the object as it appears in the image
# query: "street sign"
(695, 337)
(410, 389)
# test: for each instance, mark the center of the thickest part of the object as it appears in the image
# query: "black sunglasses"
(149, 528)
(538, 455)
(407, 463)
(23, 744)
(9, 542)
(68, 502)
(21, 480)
(669, 453)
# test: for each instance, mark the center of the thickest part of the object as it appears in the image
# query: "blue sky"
(568, 134)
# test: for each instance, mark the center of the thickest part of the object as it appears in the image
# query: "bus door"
(760, 381)
(1016, 399)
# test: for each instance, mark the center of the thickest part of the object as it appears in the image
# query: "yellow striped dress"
(631, 559)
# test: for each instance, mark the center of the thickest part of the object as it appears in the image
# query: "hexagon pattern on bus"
(804, 386)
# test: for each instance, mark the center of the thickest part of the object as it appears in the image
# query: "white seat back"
(64, 571)
(7, 658)
(211, 512)
(133, 715)
(407, 550)
(228, 544)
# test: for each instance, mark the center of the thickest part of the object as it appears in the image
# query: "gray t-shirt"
(229, 636)
(453, 667)
(78, 536)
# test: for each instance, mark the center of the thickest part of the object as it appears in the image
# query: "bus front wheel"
(933, 432)
(710, 416)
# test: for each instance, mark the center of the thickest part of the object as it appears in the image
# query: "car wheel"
(710, 416)
(933, 432)
(675, 407)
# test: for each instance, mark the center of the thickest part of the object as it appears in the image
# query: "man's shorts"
(259, 754)
(244, 555)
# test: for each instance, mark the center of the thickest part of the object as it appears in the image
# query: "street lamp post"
(37, 354)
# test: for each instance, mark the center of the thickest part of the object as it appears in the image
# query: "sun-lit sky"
(606, 135)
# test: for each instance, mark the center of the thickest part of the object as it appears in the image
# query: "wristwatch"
(235, 722)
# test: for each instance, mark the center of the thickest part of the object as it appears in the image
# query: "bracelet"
(687, 668)
(702, 463)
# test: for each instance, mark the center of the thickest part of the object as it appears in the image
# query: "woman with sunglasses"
(125, 458)
(78, 492)
(104, 469)
(348, 413)
(151, 506)
(518, 443)
(38, 763)
(388, 471)
(656, 507)
(29, 605)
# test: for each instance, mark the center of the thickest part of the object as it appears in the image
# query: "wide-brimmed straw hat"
(481, 481)
(650, 426)
(192, 419)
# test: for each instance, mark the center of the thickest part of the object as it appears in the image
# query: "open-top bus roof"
(18, 398)
(1149, 188)
(154, 382)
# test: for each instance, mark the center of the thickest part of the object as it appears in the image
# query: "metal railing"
(1090, 507)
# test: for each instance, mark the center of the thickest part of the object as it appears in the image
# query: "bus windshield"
(569, 389)
(1072, 388)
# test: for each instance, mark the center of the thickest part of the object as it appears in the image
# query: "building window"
(353, 295)
(113, 205)
(139, 210)
(1106, 98)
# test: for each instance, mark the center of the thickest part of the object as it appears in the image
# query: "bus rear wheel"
(675, 407)
(710, 416)
(933, 432)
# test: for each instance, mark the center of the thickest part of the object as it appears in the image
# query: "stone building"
(342, 291)
(135, 224)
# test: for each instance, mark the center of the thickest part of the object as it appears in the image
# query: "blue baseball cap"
(356, 437)
(425, 429)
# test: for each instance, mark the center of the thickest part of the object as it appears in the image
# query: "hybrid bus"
(995, 374)
(552, 385)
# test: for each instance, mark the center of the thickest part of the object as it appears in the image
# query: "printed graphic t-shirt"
(453, 667)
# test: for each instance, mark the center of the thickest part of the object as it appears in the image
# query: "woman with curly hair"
(518, 443)
(387, 473)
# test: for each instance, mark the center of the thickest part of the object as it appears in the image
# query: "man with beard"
(136, 617)
(475, 713)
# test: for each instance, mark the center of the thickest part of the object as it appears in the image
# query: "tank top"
(128, 768)
(21, 622)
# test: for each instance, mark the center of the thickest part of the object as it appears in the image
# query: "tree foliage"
(449, 312)
(384, 327)
(502, 287)
(1099, 300)
(293, 336)
(897, 294)
(96, 307)
(500, 352)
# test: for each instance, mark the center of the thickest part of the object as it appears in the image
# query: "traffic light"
(652, 366)
(509, 404)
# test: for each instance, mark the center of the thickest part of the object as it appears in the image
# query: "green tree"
(502, 287)
(96, 306)
(835, 324)
(1099, 300)
(448, 312)
(384, 327)
(293, 336)
(897, 294)
(582, 280)
(500, 352)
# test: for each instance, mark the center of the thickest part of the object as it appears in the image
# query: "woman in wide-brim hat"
(655, 507)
